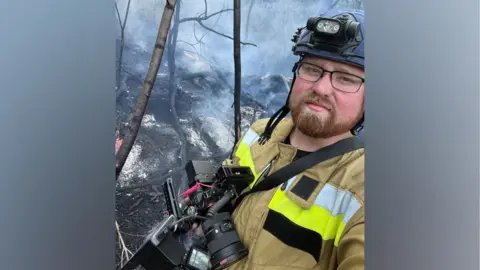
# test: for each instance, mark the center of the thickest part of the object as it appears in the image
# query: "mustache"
(319, 101)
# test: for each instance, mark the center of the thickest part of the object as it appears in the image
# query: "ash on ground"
(189, 118)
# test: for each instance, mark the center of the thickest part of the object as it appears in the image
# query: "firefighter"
(316, 219)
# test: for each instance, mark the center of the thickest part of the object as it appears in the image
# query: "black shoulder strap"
(285, 173)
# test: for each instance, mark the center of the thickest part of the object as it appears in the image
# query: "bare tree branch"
(126, 253)
(206, 7)
(122, 40)
(199, 40)
(126, 14)
(248, 18)
(119, 18)
(172, 85)
(223, 35)
(204, 17)
(147, 86)
(190, 44)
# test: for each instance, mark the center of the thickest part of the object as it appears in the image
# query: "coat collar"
(262, 155)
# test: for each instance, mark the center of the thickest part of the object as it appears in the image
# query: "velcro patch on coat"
(303, 191)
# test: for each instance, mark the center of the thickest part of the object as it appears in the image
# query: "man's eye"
(347, 79)
(312, 70)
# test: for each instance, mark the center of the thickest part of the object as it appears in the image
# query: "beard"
(319, 125)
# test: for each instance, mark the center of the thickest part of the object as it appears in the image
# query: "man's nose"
(324, 85)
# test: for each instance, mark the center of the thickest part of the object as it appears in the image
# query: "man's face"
(318, 109)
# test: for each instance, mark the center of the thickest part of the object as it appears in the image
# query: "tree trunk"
(238, 68)
(147, 86)
(172, 84)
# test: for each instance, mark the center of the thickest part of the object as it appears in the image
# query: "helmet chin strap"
(358, 126)
(280, 114)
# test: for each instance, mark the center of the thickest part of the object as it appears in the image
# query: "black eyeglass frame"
(332, 74)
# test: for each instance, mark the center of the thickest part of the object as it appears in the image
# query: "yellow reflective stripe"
(332, 210)
(244, 155)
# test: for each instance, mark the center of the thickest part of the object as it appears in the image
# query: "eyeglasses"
(339, 80)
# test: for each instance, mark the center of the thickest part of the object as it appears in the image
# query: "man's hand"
(197, 229)
(197, 235)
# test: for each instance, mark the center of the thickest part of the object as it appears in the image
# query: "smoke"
(204, 87)
(271, 25)
(208, 56)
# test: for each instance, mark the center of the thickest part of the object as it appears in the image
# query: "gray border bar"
(422, 135)
(57, 68)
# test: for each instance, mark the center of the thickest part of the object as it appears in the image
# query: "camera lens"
(223, 241)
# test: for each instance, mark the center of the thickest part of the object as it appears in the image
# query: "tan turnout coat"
(315, 222)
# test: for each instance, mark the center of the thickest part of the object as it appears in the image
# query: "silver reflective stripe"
(250, 137)
(289, 182)
(337, 202)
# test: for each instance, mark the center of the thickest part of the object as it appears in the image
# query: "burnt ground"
(189, 116)
(194, 122)
(138, 211)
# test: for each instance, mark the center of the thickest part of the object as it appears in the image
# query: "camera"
(208, 201)
(161, 250)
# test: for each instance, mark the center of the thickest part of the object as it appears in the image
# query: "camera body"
(211, 191)
(207, 201)
(162, 251)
